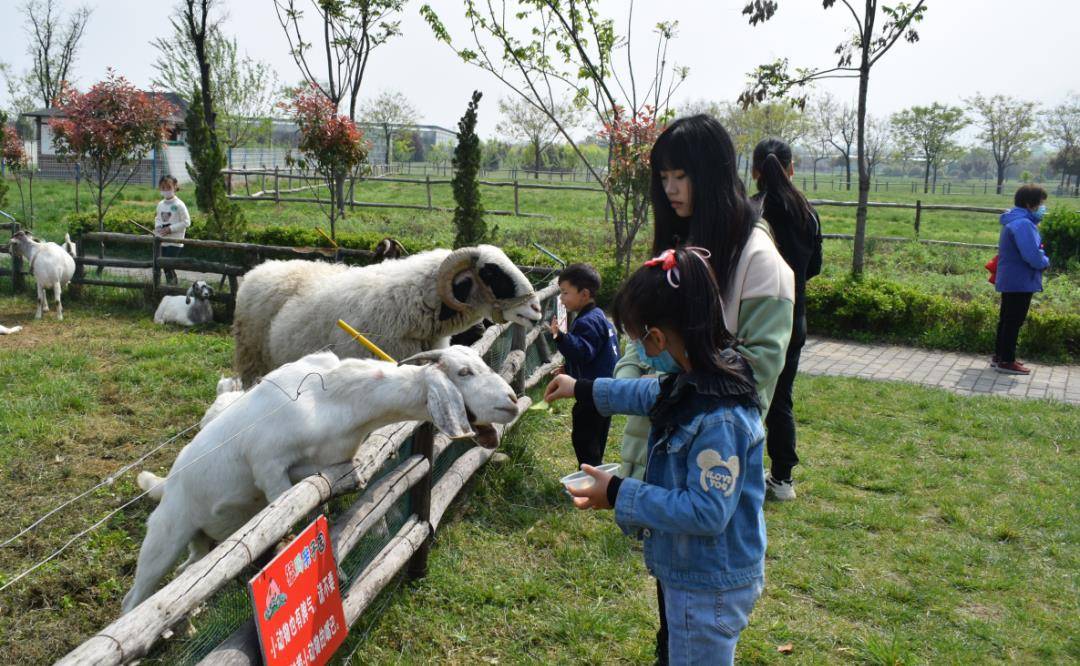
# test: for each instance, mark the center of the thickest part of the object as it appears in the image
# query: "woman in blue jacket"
(1021, 263)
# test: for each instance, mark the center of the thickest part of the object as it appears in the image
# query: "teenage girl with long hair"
(797, 230)
(699, 508)
(698, 199)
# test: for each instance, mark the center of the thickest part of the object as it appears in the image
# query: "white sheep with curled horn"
(254, 450)
(285, 309)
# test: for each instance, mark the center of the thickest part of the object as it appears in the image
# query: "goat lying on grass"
(308, 414)
(51, 265)
(4, 330)
(189, 310)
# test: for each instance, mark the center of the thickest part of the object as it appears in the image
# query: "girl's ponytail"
(782, 203)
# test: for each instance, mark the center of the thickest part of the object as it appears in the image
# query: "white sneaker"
(783, 491)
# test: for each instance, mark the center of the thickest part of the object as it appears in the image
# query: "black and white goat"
(192, 309)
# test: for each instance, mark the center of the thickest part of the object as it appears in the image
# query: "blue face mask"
(662, 363)
(1039, 213)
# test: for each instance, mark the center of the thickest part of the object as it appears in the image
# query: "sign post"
(297, 601)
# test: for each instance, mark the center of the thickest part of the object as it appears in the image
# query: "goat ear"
(446, 406)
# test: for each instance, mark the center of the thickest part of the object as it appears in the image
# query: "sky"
(966, 46)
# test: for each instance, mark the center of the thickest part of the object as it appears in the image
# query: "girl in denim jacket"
(699, 508)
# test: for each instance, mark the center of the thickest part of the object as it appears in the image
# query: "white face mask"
(167, 194)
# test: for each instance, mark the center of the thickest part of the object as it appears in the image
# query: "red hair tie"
(668, 261)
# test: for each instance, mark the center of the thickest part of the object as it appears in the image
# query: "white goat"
(189, 310)
(51, 265)
(227, 384)
(4, 330)
(285, 309)
(305, 415)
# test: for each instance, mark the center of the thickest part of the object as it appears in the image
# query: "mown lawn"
(930, 528)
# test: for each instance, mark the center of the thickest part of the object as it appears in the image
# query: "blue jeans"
(704, 625)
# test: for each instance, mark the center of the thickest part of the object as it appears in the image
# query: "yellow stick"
(368, 344)
(332, 241)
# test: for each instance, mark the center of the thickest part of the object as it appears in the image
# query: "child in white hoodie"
(171, 221)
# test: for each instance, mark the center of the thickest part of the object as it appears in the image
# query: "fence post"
(517, 343)
(153, 165)
(80, 268)
(77, 179)
(427, 185)
(17, 283)
(918, 216)
(420, 497)
(277, 188)
(156, 267)
(516, 211)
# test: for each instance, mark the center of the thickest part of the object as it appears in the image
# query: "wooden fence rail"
(135, 633)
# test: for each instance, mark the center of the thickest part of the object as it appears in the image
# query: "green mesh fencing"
(228, 609)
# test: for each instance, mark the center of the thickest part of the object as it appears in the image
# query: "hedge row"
(878, 309)
(1060, 232)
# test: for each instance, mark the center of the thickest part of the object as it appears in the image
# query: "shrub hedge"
(879, 309)
(1060, 232)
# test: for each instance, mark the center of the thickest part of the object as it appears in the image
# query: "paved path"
(965, 374)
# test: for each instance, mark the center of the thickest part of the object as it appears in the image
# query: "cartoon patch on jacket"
(717, 472)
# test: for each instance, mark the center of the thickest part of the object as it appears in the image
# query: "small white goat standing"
(51, 265)
(189, 310)
(305, 415)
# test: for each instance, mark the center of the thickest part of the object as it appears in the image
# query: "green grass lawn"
(930, 528)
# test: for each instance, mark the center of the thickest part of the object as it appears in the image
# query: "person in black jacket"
(797, 231)
(590, 348)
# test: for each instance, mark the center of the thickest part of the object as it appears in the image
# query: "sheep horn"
(455, 262)
(430, 356)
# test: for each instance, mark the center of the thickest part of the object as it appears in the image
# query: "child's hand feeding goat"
(314, 412)
(191, 309)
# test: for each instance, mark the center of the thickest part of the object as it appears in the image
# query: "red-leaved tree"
(630, 140)
(331, 145)
(18, 164)
(107, 131)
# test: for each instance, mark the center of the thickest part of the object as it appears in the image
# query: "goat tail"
(152, 484)
(69, 246)
(248, 355)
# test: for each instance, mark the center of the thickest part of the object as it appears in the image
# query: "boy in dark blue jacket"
(590, 348)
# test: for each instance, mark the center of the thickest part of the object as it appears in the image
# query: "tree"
(468, 209)
(389, 112)
(879, 143)
(928, 131)
(5, 132)
(17, 163)
(839, 126)
(351, 30)
(1061, 125)
(524, 122)
(21, 99)
(858, 53)
(107, 131)
(545, 50)
(330, 144)
(53, 46)
(1007, 125)
(207, 154)
(243, 91)
(817, 149)
(225, 221)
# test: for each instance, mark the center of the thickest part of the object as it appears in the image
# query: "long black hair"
(649, 298)
(781, 203)
(722, 218)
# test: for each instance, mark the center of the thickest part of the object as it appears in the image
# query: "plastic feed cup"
(580, 480)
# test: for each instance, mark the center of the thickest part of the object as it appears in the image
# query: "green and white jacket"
(758, 310)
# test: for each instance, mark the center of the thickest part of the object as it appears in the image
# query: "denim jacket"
(699, 509)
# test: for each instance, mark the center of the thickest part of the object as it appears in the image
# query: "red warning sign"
(298, 602)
